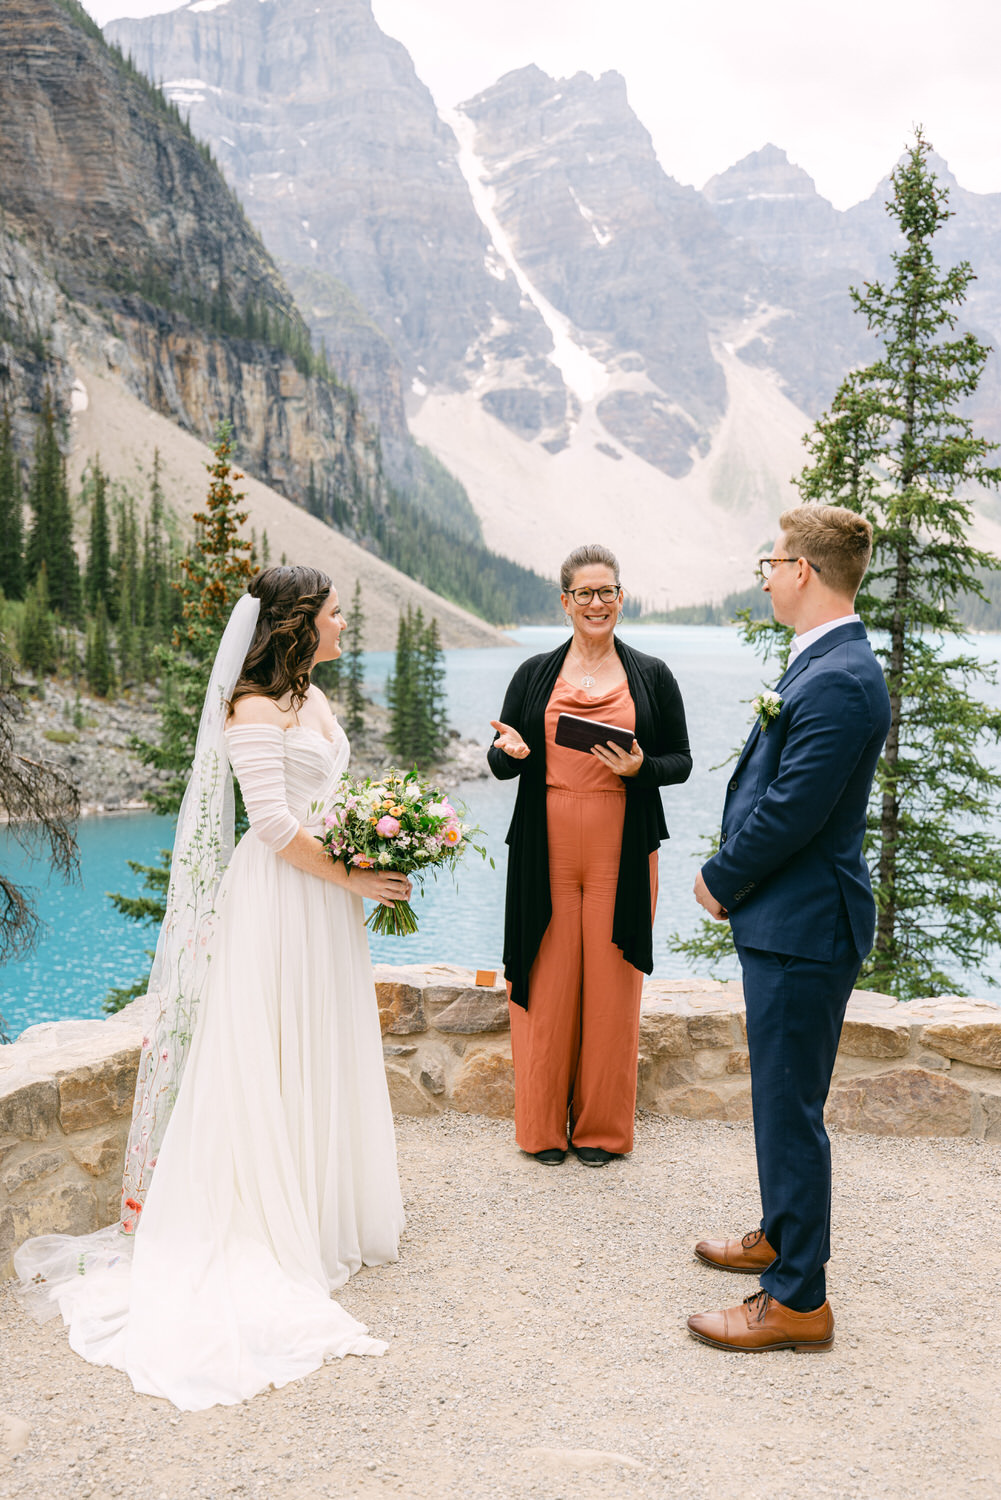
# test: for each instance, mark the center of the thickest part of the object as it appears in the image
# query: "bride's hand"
(509, 740)
(384, 886)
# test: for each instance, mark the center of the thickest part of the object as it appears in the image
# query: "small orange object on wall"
(486, 976)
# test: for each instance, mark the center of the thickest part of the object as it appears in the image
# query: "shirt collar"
(800, 642)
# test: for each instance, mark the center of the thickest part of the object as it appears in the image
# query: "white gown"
(277, 1175)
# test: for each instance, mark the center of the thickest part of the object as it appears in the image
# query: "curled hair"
(286, 637)
(837, 540)
(587, 557)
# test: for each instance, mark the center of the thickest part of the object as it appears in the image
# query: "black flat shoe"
(593, 1156)
(550, 1158)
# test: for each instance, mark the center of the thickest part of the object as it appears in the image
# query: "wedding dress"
(276, 1178)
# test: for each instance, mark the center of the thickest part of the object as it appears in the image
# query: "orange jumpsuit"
(575, 1047)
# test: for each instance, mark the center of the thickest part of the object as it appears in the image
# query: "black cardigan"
(662, 736)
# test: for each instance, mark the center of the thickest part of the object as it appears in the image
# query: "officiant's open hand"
(509, 740)
(705, 898)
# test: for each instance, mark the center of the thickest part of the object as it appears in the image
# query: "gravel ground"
(539, 1347)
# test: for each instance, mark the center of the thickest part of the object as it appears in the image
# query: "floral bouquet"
(400, 823)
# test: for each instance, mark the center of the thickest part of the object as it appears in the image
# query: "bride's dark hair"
(286, 637)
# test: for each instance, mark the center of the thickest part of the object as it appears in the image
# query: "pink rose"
(388, 826)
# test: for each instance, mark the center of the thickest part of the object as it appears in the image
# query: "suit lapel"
(854, 630)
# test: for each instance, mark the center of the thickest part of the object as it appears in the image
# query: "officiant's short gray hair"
(594, 556)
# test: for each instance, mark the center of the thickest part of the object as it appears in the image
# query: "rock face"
(337, 151)
(591, 347)
(142, 259)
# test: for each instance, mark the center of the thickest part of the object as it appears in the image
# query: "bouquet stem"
(398, 920)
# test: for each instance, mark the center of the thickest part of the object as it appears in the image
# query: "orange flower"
(136, 1207)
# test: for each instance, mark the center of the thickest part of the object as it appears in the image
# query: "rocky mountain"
(591, 347)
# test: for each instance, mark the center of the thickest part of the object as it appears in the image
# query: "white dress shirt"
(800, 642)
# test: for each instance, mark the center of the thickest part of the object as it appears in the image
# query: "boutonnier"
(767, 706)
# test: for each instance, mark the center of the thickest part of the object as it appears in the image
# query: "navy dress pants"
(795, 1009)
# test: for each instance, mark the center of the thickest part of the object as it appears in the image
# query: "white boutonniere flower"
(767, 706)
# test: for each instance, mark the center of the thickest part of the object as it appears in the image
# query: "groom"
(791, 879)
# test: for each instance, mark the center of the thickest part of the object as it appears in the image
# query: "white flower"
(385, 857)
(767, 706)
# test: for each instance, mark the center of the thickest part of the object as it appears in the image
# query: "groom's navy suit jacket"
(790, 858)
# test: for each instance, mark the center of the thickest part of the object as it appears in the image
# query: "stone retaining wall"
(929, 1068)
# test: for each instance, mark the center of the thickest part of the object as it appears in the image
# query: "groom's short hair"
(837, 540)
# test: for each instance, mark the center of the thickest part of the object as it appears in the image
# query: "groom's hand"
(705, 897)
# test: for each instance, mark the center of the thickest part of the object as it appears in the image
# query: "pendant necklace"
(589, 680)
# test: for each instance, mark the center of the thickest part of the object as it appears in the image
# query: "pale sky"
(839, 86)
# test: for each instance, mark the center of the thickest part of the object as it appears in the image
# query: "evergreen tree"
(50, 540)
(354, 667)
(37, 645)
(99, 666)
(215, 573)
(402, 690)
(11, 514)
(97, 577)
(432, 686)
(897, 446)
(155, 592)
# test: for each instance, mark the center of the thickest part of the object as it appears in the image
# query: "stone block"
(103, 1152)
(663, 1034)
(874, 1039)
(711, 1030)
(63, 1208)
(699, 1102)
(401, 1007)
(473, 1011)
(29, 1113)
(978, 1043)
(738, 1062)
(484, 1085)
(711, 1063)
(433, 1077)
(96, 1093)
(904, 1101)
(31, 1169)
(405, 1095)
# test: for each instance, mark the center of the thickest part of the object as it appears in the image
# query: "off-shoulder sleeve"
(257, 755)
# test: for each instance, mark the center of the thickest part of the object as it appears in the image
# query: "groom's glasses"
(607, 593)
(766, 565)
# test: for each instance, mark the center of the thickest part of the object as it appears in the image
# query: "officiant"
(582, 866)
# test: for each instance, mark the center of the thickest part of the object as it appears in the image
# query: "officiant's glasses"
(766, 565)
(608, 593)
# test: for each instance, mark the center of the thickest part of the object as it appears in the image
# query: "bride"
(261, 1100)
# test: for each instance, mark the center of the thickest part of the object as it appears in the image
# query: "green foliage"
(148, 908)
(451, 565)
(11, 514)
(97, 577)
(415, 692)
(354, 667)
(897, 446)
(37, 647)
(50, 539)
(215, 573)
(98, 663)
(753, 600)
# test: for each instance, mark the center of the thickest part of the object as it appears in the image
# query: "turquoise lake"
(87, 947)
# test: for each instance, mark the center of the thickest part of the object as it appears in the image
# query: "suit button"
(734, 784)
(722, 838)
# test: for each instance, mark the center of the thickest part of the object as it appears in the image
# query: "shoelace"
(750, 1240)
(762, 1298)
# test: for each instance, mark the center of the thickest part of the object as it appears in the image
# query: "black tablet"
(582, 734)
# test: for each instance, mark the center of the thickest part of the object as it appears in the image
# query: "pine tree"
(37, 646)
(897, 446)
(50, 539)
(11, 514)
(97, 577)
(402, 693)
(155, 593)
(99, 666)
(432, 688)
(215, 573)
(354, 668)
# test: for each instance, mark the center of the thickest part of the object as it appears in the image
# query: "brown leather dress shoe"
(752, 1253)
(761, 1323)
